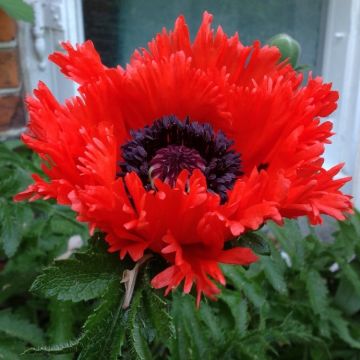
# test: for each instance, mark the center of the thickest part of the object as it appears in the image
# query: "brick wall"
(12, 114)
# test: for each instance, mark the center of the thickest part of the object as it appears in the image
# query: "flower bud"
(289, 47)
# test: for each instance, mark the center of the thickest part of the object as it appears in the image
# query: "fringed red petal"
(261, 104)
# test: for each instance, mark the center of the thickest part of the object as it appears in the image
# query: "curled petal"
(81, 64)
(199, 263)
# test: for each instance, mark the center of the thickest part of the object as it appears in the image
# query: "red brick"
(11, 112)
(9, 69)
(7, 27)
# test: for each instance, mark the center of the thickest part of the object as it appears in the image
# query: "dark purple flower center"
(168, 162)
(168, 146)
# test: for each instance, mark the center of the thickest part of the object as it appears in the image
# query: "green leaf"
(256, 242)
(137, 338)
(317, 292)
(273, 273)
(10, 348)
(13, 159)
(180, 347)
(210, 318)
(352, 273)
(8, 354)
(62, 223)
(291, 240)
(18, 9)
(10, 182)
(251, 289)
(188, 319)
(16, 282)
(14, 220)
(341, 326)
(290, 331)
(61, 324)
(57, 349)
(86, 277)
(238, 307)
(104, 330)
(20, 328)
(347, 298)
(158, 314)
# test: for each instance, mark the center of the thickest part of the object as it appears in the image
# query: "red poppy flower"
(189, 146)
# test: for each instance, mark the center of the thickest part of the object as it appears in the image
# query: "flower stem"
(129, 280)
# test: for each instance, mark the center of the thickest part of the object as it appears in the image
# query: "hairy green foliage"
(103, 331)
(301, 300)
(28, 242)
(136, 335)
(317, 292)
(84, 277)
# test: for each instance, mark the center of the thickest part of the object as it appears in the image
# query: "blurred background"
(328, 31)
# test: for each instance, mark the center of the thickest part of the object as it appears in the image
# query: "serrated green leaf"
(273, 273)
(57, 349)
(180, 346)
(86, 277)
(20, 328)
(352, 273)
(291, 240)
(210, 318)
(317, 292)
(291, 331)
(104, 330)
(251, 289)
(238, 307)
(18, 9)
(341, 326)
(14, 220)
(63, 223)
(158, 314)
(344, 245)
(139, 343)
(9, 181)
(324, 327)
(191, 324)
(137, 339)
(346, 298)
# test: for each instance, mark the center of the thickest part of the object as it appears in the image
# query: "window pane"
(119, 26)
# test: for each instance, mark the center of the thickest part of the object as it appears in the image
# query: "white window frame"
(58, 20)
(341, 64)
(55, 21)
